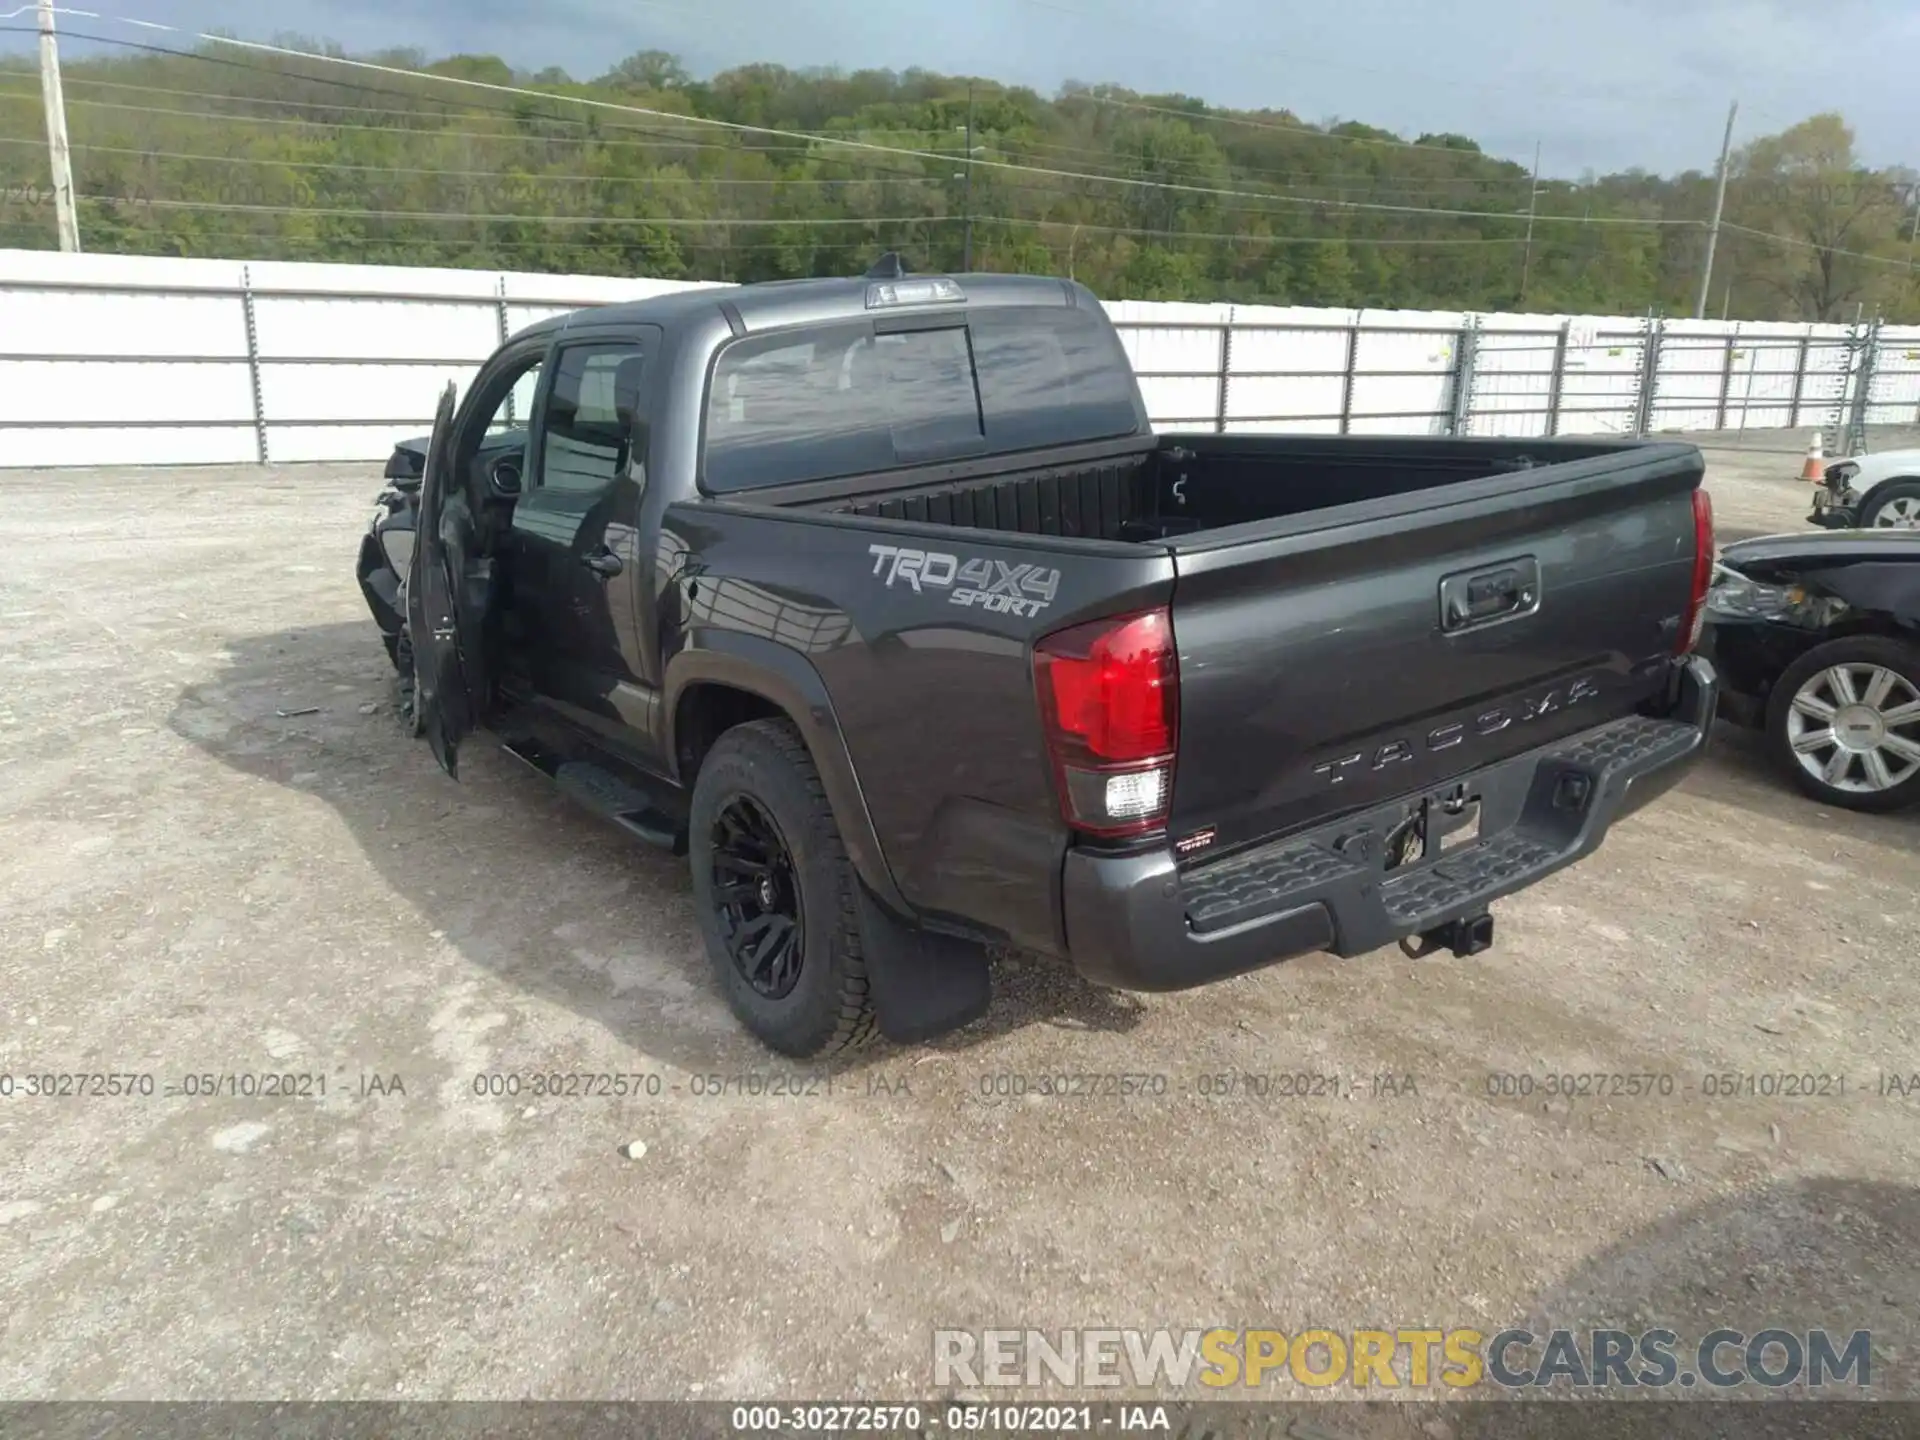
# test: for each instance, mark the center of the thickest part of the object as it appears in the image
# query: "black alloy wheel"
(775, 895)
(757, 895)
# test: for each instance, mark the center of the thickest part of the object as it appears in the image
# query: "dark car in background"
(1817, 640)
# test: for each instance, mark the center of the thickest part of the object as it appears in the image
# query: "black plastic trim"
(1139, 923)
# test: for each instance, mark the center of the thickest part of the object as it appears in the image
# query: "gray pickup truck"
(881, 599)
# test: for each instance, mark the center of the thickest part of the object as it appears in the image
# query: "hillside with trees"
(231, 152)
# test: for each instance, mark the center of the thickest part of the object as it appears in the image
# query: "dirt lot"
(200, 878)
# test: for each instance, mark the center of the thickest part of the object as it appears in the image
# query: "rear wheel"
(1896, 506)
(1844, 722)
(775, 894)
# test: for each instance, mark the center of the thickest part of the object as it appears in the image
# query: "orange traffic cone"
(1815, 470)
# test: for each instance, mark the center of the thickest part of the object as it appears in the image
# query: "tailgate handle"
(1481, 597)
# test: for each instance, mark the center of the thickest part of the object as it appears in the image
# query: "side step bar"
(603, 792)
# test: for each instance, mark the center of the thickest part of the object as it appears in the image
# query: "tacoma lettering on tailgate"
(1445, 737)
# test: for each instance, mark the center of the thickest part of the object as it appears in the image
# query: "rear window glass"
(842, 400)
(1051, 377)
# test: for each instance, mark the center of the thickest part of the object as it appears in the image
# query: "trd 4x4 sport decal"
(992, 585)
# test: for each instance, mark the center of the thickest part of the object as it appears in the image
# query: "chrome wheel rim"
(1900, 513)
(1856, 728)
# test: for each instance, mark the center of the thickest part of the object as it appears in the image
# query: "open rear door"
(447, 593)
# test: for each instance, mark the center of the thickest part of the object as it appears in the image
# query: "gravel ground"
(219, 856)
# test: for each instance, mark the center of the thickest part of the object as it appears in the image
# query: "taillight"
(1696, 613)
(1110, 701)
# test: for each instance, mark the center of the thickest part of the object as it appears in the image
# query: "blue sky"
(1603, 85)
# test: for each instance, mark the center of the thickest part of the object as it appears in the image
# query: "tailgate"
(1385, 652)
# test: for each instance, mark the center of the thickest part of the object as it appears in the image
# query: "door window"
(590, 430)
(505, 398)
(515, 410)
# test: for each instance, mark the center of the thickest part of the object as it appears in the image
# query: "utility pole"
(56, 107)
(966, 245)
(1533, 201)
(1719, 204)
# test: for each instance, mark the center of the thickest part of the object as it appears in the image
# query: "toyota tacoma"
(881, 600)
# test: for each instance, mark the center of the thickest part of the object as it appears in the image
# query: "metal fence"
(1500, 375)
(130, 359)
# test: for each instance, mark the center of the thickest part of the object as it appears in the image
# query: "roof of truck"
(768, 305)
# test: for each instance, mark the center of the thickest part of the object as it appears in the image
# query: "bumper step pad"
(1259, 882)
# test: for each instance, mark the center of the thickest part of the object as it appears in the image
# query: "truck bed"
(1313, 584)
(1187, 485)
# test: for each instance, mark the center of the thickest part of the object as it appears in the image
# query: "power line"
(1812, 245)
(225, 207)
(423, 131)
(743, 127)
(482, 243)
(529, 178)
(885, 176)
(1304, 131)
(1365, 180)
(776, 221)
(943, 157)
(281, 73)
(1359, 180)
(804, 138)
(1245, 238)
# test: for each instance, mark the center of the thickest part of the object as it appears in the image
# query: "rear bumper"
(1138, 923)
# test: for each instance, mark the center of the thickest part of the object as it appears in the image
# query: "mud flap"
(924, 985)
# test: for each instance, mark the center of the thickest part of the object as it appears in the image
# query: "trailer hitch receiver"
(1463, 937)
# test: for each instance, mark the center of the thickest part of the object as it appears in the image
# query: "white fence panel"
(1515, 366)
(108, 359)
(1175, 350)
(1600, 375)
(1403, 378)
(1896, 378)
(306, 328)
(1288, 380)
(373, 394)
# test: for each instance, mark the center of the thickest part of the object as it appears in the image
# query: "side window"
(515, 412)
(506, 398)
(589, 431)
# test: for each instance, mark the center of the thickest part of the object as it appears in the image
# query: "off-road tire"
(830, 1007)
(1895, 655)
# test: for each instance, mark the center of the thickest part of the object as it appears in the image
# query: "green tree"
(1136, 194)
(647, 70)
(1327, 275)
(1807, 187)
